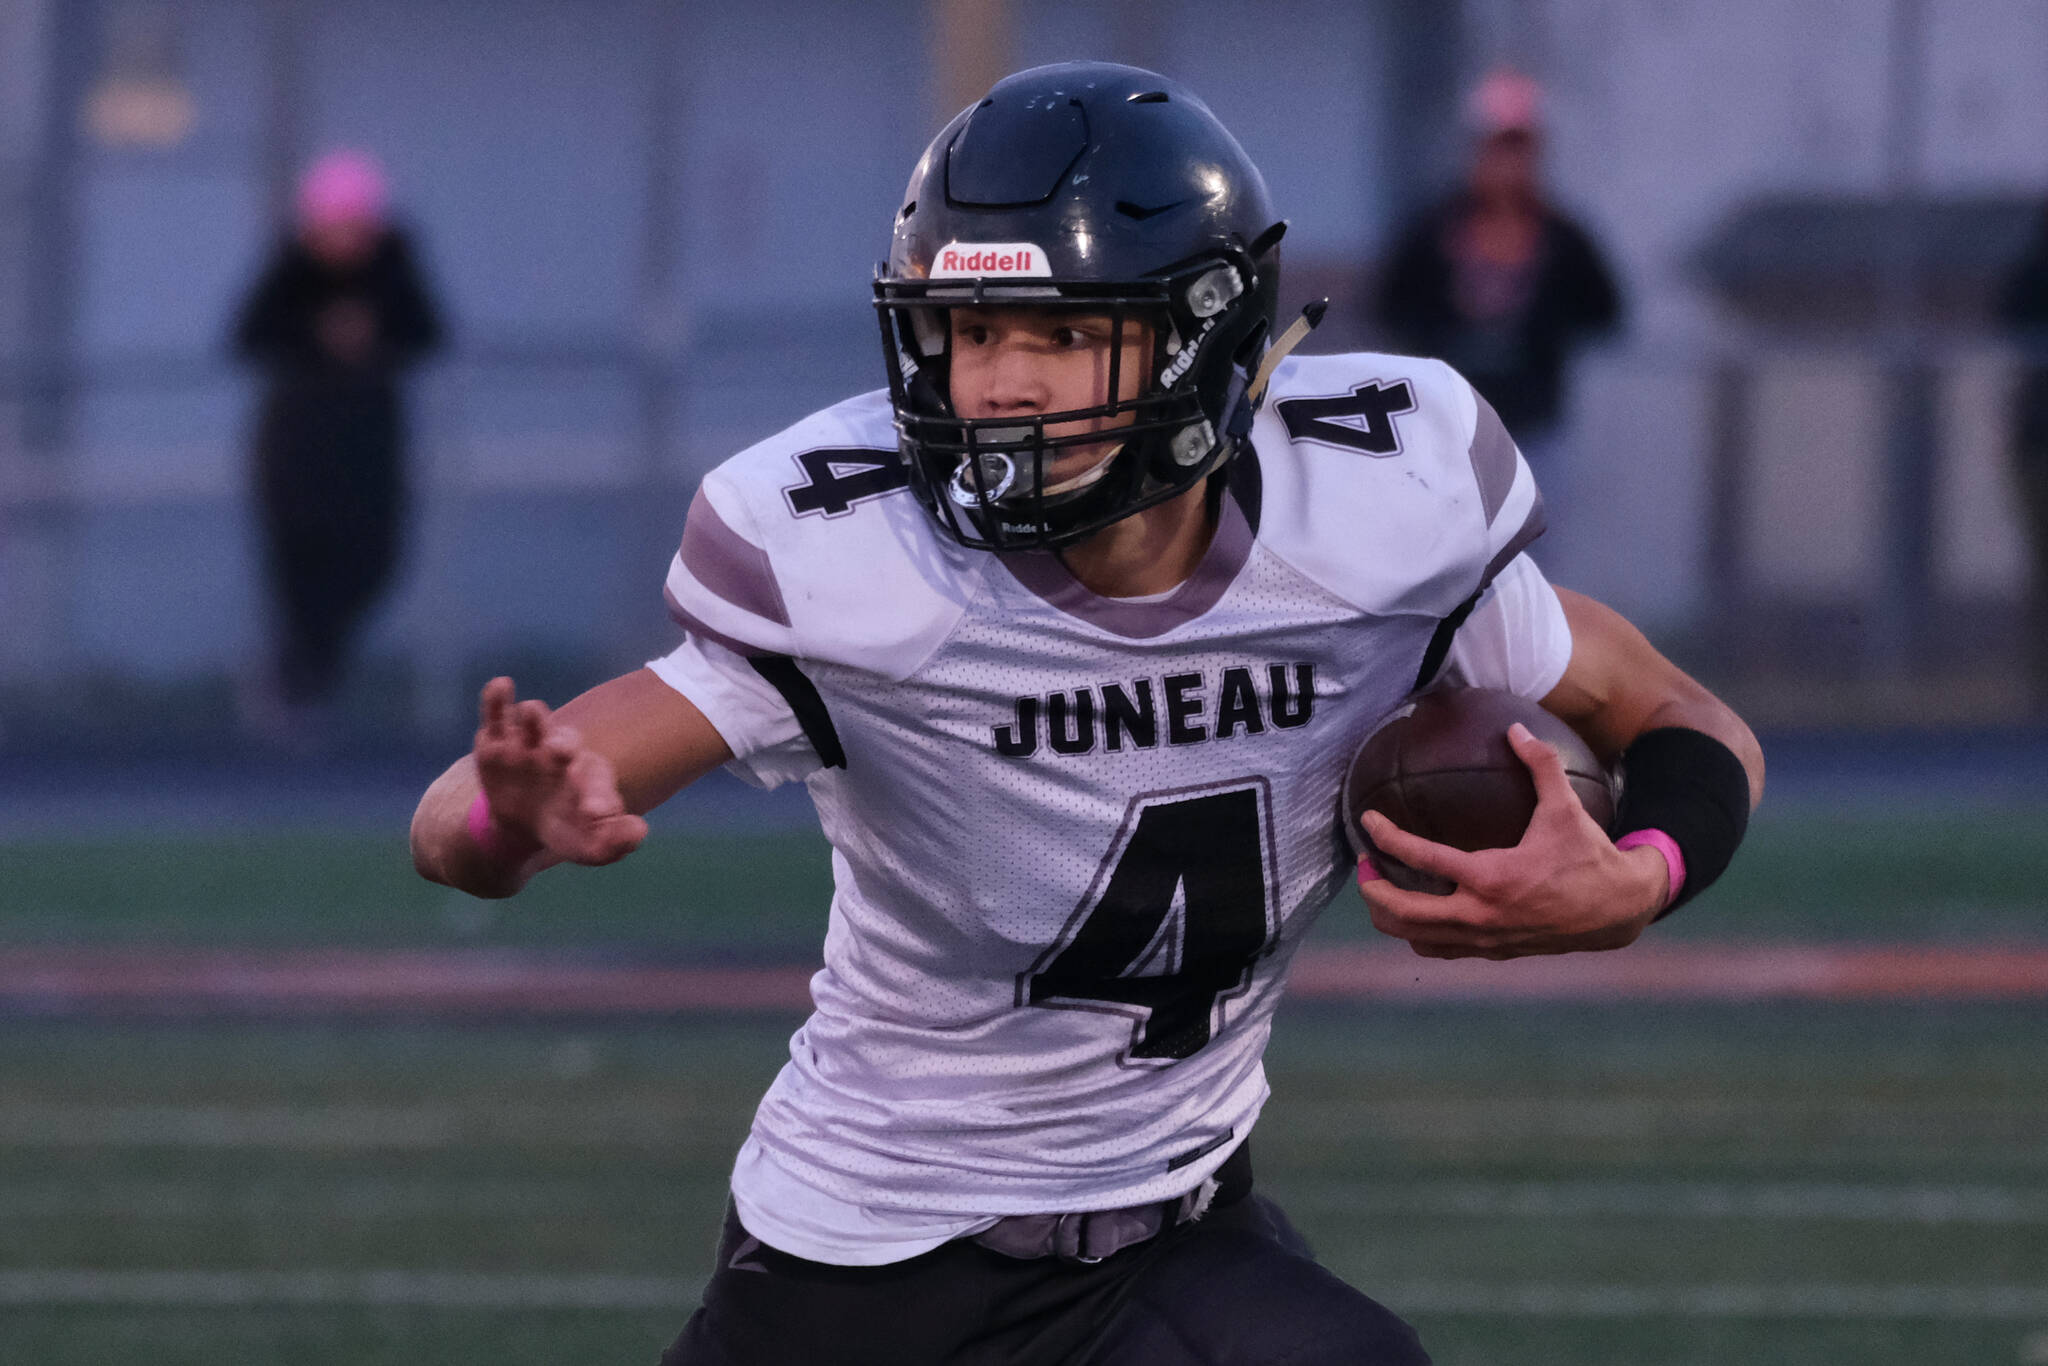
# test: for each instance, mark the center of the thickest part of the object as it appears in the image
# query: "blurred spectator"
(1495, 279)
(2024, 306)
(336, 316)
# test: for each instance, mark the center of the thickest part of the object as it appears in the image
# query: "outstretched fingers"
(545, 785)
(595, 786)
(605, 831)
(561, 745)
(619, 836)
(530, 722)
(493, 708)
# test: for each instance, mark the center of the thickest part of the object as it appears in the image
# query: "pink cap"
(343, 186)
(1506, 101)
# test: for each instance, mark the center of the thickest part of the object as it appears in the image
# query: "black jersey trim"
(1440, 643)
(1193, 1155)
(1247, 483)
(1532, 526)
(802, 695)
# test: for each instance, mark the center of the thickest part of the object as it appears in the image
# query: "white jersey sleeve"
(793, 548)
(767, 741)
(1402, 492)
(775, 578)
(1516, 638)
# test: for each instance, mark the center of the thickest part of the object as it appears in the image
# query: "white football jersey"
(1076, 840)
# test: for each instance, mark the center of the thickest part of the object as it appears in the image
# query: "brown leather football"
(1440, 766)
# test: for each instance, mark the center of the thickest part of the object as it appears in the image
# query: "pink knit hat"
(1506, 101)
(343, 186)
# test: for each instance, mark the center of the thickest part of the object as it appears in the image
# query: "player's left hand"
(1563, 889)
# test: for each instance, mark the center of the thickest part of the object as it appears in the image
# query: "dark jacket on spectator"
(329, 449)
(2023, 306)
(1517, 363)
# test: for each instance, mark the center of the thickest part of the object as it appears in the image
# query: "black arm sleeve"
(1692, 787)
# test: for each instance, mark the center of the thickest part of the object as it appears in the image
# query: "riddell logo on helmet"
(957, 259)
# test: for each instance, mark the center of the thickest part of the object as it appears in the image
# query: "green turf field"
(1968, 877)
(1551, 1185)
(1633, 1184)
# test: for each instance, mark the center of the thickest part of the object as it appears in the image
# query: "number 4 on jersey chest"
(1179, 911)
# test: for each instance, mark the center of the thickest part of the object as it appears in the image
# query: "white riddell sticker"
(958, 259)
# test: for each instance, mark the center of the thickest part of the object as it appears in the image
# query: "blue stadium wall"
(593, 376)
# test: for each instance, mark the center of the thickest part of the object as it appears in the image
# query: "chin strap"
(1296, 333)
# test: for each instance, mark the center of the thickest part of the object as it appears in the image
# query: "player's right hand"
(1564, 888)
(544, 787)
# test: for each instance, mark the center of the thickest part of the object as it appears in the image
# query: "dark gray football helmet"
(1100, 188)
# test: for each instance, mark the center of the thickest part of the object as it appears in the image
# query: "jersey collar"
(1045, 575)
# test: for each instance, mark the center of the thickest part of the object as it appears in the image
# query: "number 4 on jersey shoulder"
(834, 480)
(1373, 405)
(1168, 932)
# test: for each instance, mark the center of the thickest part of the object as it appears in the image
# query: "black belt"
(1092, 1235)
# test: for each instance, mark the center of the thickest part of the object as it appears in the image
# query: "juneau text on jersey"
(1175, 709)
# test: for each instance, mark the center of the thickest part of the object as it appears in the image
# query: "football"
(1440, 766)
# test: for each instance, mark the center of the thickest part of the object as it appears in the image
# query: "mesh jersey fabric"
(1076, 840)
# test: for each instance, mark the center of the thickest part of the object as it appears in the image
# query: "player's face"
(1025, 362)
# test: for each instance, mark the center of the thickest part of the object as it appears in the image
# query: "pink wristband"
(1674, 861)
(1368, 871)
(492, 838)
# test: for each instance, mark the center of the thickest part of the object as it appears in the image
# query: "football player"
(1070, 632)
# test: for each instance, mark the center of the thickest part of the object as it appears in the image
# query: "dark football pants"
(1236, 1288)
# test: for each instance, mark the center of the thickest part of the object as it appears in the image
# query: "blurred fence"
(549, 485)
(634, 209)
(1748, 507)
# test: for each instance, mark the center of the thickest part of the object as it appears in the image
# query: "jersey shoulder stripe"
(1390, 481)
(1507, 491)
(729, 565)
(809, 544)
(1494, 459)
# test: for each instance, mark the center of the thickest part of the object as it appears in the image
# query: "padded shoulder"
(810, 544)
(1390, 482)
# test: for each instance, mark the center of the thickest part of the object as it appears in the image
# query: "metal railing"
(551, 483)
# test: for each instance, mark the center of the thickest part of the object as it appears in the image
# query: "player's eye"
(970, 334)
(1068, 336)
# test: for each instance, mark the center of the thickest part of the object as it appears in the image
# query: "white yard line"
(1921, 1204)
(340, 1128)
(1950, 1303)
(127, 980)
(227, 1198)
(344, 1289)
(57, 1287)
(658, 1123)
